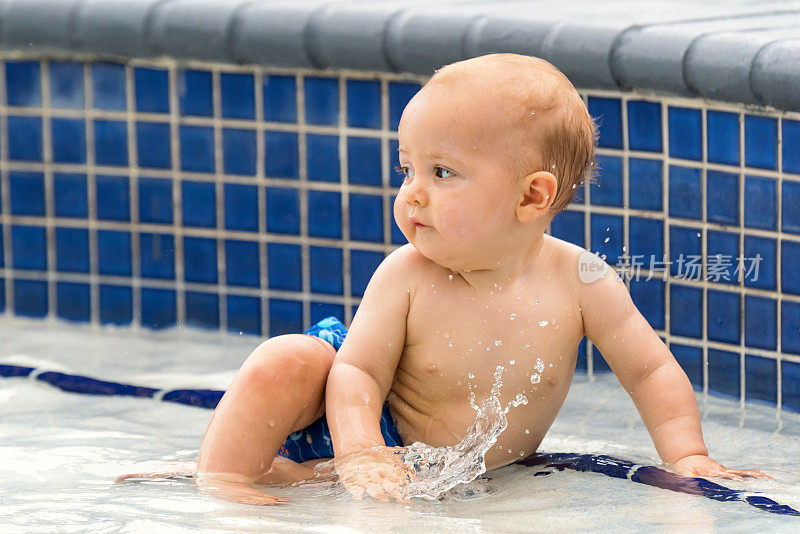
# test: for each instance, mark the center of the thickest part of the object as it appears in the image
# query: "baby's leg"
(279, 390)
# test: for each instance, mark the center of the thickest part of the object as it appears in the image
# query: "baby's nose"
(416, 194)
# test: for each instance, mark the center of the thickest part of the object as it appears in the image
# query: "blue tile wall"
(229, 208)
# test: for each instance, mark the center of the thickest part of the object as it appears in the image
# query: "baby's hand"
(701, 465)
(377, 471)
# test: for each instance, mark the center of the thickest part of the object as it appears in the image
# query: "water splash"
(437, 470)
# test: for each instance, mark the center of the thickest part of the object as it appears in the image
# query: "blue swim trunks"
(314, 441)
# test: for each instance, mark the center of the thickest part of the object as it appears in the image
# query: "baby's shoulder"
(563, 256)
(406, 264)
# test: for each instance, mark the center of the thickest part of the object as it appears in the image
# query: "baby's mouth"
(416, 223)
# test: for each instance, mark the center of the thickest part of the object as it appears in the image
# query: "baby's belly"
(444, 417)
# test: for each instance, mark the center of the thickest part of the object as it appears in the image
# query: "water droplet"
(271, 423)
(539, 365)
(527, 345)
(527, 431)
(459, 383)
(470, 375)
(543, 323)
(450, 276)
(497, 342)
(512, 316)
(509, 451)
(450, 344)
(512, 362)
(551, 365)
(698, 234)
(521, 454)
(535, 378)
(606, 240)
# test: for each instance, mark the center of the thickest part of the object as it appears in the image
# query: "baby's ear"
(538, 193)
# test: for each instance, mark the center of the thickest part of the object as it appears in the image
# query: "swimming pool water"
(59, 453)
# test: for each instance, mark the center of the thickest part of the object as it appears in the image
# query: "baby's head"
(488, 140)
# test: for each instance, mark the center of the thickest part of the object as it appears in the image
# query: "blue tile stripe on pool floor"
(595, 463)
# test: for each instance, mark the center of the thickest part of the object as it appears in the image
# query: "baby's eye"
(441, 172)
(405, 171)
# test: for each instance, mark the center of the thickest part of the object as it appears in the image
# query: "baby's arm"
(649, 373)
(362, 375)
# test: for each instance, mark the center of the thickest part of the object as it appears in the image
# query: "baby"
(491, 148)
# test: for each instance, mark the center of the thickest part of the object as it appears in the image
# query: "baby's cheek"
(455, 221)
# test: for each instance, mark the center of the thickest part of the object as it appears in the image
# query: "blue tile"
(241, 207)
(111, 143)
(27, 193)
(364, 161)
(723, 373)
(239, 152)
(790, 327)
(195, 93)
(155, 200)
(158, 308)
(608, 191)
(284, 266)
(116, 305)
(395, 174)
(326, 270)
(281, 155)
(202, 309)
(607, 238)
(30, 298)
(280, 98)
(108, 82)
(69, 140)
(242, 263)
(760, 322)
(73, 301)
(151, 90)
(760, 142)
(723, 315)
(285, 317)
(691, 361)
(400, 93)
(685, 133)
(646, 184)
(761, 379)
(197, 149)
(283, 210)
(322, 101)
(199, 204)
(722, 249)
(23, 83)
(69, 191)
(238, 95)
(200, 260)
(29, 247)
(790, 385)
(244, 314)
(644, 126)
(114, 252)
(761, 201)
(322, 157)
(157, 256)
(72, 250)
(366, 218)
(685, 198)
(113, 198)
(364, 104)
(791, 146)
(686, 311)
(758, 267)
(2, 293)
(66, 85)
(25, 138)
(2, 261)
(321, 310)
(153, 145)
(722, 137)
(790, 200)
(722, 197)
(607, 112)
(648, 295)
(790, 259)
(569, 226)
(362, 266)
(325, 214)
(685, 252)
(599, 363)
(646, 239)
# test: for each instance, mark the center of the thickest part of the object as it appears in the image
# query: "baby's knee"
(289, 360)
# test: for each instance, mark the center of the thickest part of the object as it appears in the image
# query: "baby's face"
(457, 202)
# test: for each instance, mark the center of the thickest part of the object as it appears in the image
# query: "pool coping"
(742, 52)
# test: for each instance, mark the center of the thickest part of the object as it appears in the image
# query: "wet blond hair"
(550, 127)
